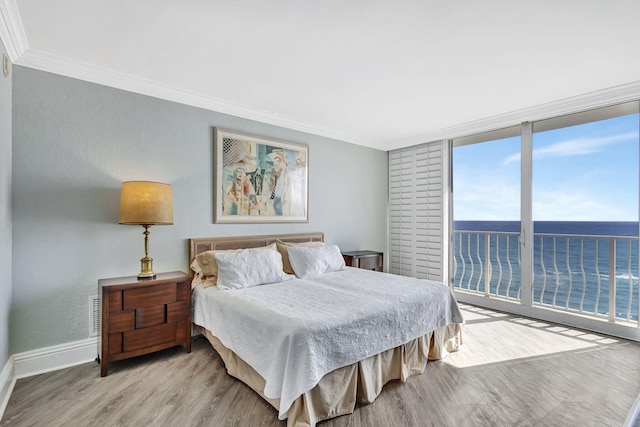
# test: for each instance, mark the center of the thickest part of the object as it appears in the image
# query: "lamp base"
(146, 269)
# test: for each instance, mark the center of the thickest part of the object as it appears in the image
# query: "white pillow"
(206, 262)
(310, 261)
(249, 267)
(283, 249)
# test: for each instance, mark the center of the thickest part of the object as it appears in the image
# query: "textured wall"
(5, 212)
(75, 142)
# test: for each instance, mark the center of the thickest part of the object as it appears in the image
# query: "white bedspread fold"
(293, 333)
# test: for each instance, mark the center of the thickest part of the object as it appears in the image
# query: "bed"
(314, 346)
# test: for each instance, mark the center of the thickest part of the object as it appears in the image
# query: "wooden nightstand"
(143, 316)
(369, 260)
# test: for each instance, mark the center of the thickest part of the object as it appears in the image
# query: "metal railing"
(596, 276)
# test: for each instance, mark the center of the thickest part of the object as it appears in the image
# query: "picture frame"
(259, 180)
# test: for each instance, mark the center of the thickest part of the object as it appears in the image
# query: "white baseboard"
(60, 356)
(7, 381)
(43, 360)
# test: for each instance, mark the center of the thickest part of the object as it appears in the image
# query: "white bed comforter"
(293, 333)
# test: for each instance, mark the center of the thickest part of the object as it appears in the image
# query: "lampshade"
(146, 203)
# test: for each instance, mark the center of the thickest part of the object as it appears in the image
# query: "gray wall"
(74, 143)
(5, 212)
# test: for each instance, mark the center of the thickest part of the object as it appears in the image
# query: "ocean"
(596, 228)
(570, 263)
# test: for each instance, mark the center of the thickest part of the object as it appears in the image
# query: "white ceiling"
(380, 73)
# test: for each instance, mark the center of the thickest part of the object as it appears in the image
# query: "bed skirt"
(338, 391)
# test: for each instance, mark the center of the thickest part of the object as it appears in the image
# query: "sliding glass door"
(585, 212)
(546, 213)
(486, 213)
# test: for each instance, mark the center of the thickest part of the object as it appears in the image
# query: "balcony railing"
(596, 276)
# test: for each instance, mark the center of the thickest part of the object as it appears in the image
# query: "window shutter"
(416, 214)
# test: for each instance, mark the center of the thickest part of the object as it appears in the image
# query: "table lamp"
(146, 203)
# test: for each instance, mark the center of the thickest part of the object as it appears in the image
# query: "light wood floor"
(510, 371)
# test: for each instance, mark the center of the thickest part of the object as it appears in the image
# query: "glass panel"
(585, 185)
(486, 209)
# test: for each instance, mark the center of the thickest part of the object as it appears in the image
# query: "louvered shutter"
(416, 211)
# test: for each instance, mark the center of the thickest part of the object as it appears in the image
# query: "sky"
(587, 172)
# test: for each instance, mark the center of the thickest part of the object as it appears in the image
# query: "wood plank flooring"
(511, 371)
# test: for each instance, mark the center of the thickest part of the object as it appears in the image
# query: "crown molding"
(79, 70)
(15, 41)
(11, 30)
(600, 98)
(95, 74)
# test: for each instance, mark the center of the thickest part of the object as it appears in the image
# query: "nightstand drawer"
(141, 316)
(115, 344)
(150, 316)
(115, 301)
(149, 295)
(176, 311)
(369, 260)
(184, 291)
(370, 263)
(122, 321)
(148, 337)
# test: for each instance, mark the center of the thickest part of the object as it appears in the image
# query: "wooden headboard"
(203, 244)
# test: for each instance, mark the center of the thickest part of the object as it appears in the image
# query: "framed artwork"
(259, 180)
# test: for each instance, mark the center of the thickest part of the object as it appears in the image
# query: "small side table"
(143, 316)
(369, 260)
